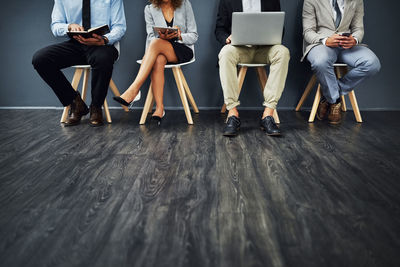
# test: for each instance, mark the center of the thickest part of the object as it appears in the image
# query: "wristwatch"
(105, 40)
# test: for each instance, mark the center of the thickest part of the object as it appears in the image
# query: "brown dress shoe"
(96, 116)
(323, 108)
(335, 113)
(77, 111)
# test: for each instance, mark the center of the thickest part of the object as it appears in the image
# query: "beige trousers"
(276, 56)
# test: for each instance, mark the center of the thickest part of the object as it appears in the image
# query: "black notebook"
(101, 30)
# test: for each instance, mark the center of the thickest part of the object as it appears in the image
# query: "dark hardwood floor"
(179, 195)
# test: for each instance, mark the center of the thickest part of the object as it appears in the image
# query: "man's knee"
(320, 62)
(102, 60)
(371, 65)
(228, 53)
(321, 58)
(39, 59)
(281, 53)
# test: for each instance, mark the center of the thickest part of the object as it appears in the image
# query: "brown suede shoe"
(77, 111)
(96, 116)
(323, 108)
(335, 113)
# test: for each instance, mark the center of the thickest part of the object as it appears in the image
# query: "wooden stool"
(85, 69)
(262, 79)
(340, 70)
(183, 89)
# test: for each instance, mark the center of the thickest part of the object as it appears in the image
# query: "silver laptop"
(261, 28)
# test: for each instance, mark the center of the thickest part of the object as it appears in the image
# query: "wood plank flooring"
(179, 195)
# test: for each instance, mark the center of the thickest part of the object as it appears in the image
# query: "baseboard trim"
(181, 108)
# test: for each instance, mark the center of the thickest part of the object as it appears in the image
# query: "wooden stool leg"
(353, 100)
(75, 83)
(148, 104)
(182, 94)
(188, 92)
(241, 76)
(340, 71)
(315, 104)
(262, 77)
(344, 107)
(85, 83)
(115, 91)
(276, 117)
(354, 104)
(107, 111)
(307, 91)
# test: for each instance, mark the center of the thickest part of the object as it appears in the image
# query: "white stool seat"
(170, 66)
(81, 66)
(340, 65)
(251, 65)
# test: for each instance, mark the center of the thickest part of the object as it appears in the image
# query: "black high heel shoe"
(158, 119)
(123, 102)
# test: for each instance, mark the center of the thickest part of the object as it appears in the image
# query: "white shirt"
(341, 4)
(251, 6)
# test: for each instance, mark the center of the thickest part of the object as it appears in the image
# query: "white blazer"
(183, 18)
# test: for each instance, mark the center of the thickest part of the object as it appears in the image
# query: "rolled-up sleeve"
(118, 22)
(59, 25)
(190, 36)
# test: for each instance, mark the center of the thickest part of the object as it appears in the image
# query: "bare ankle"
(233, 112)
(268, 112)
(159, 110)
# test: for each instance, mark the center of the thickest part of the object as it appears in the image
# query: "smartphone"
(347, 34)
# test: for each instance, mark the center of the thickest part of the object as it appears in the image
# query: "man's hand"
(337, 40)
(348, 42)
(229, 39)
(334, 40)
(95, 40)
(75, 28)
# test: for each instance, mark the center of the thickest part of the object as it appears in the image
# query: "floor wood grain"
(180, 195)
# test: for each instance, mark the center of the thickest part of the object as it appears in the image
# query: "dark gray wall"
(28, 31)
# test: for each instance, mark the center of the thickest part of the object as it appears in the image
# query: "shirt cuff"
(110, 38)
(60, 29)
(324, 41)
(356, 39)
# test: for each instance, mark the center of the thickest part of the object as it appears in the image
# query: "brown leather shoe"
(77, 111)
(323, 108)
(335, 113)
(96, 116)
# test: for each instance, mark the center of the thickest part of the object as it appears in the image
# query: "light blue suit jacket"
(183, 18)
